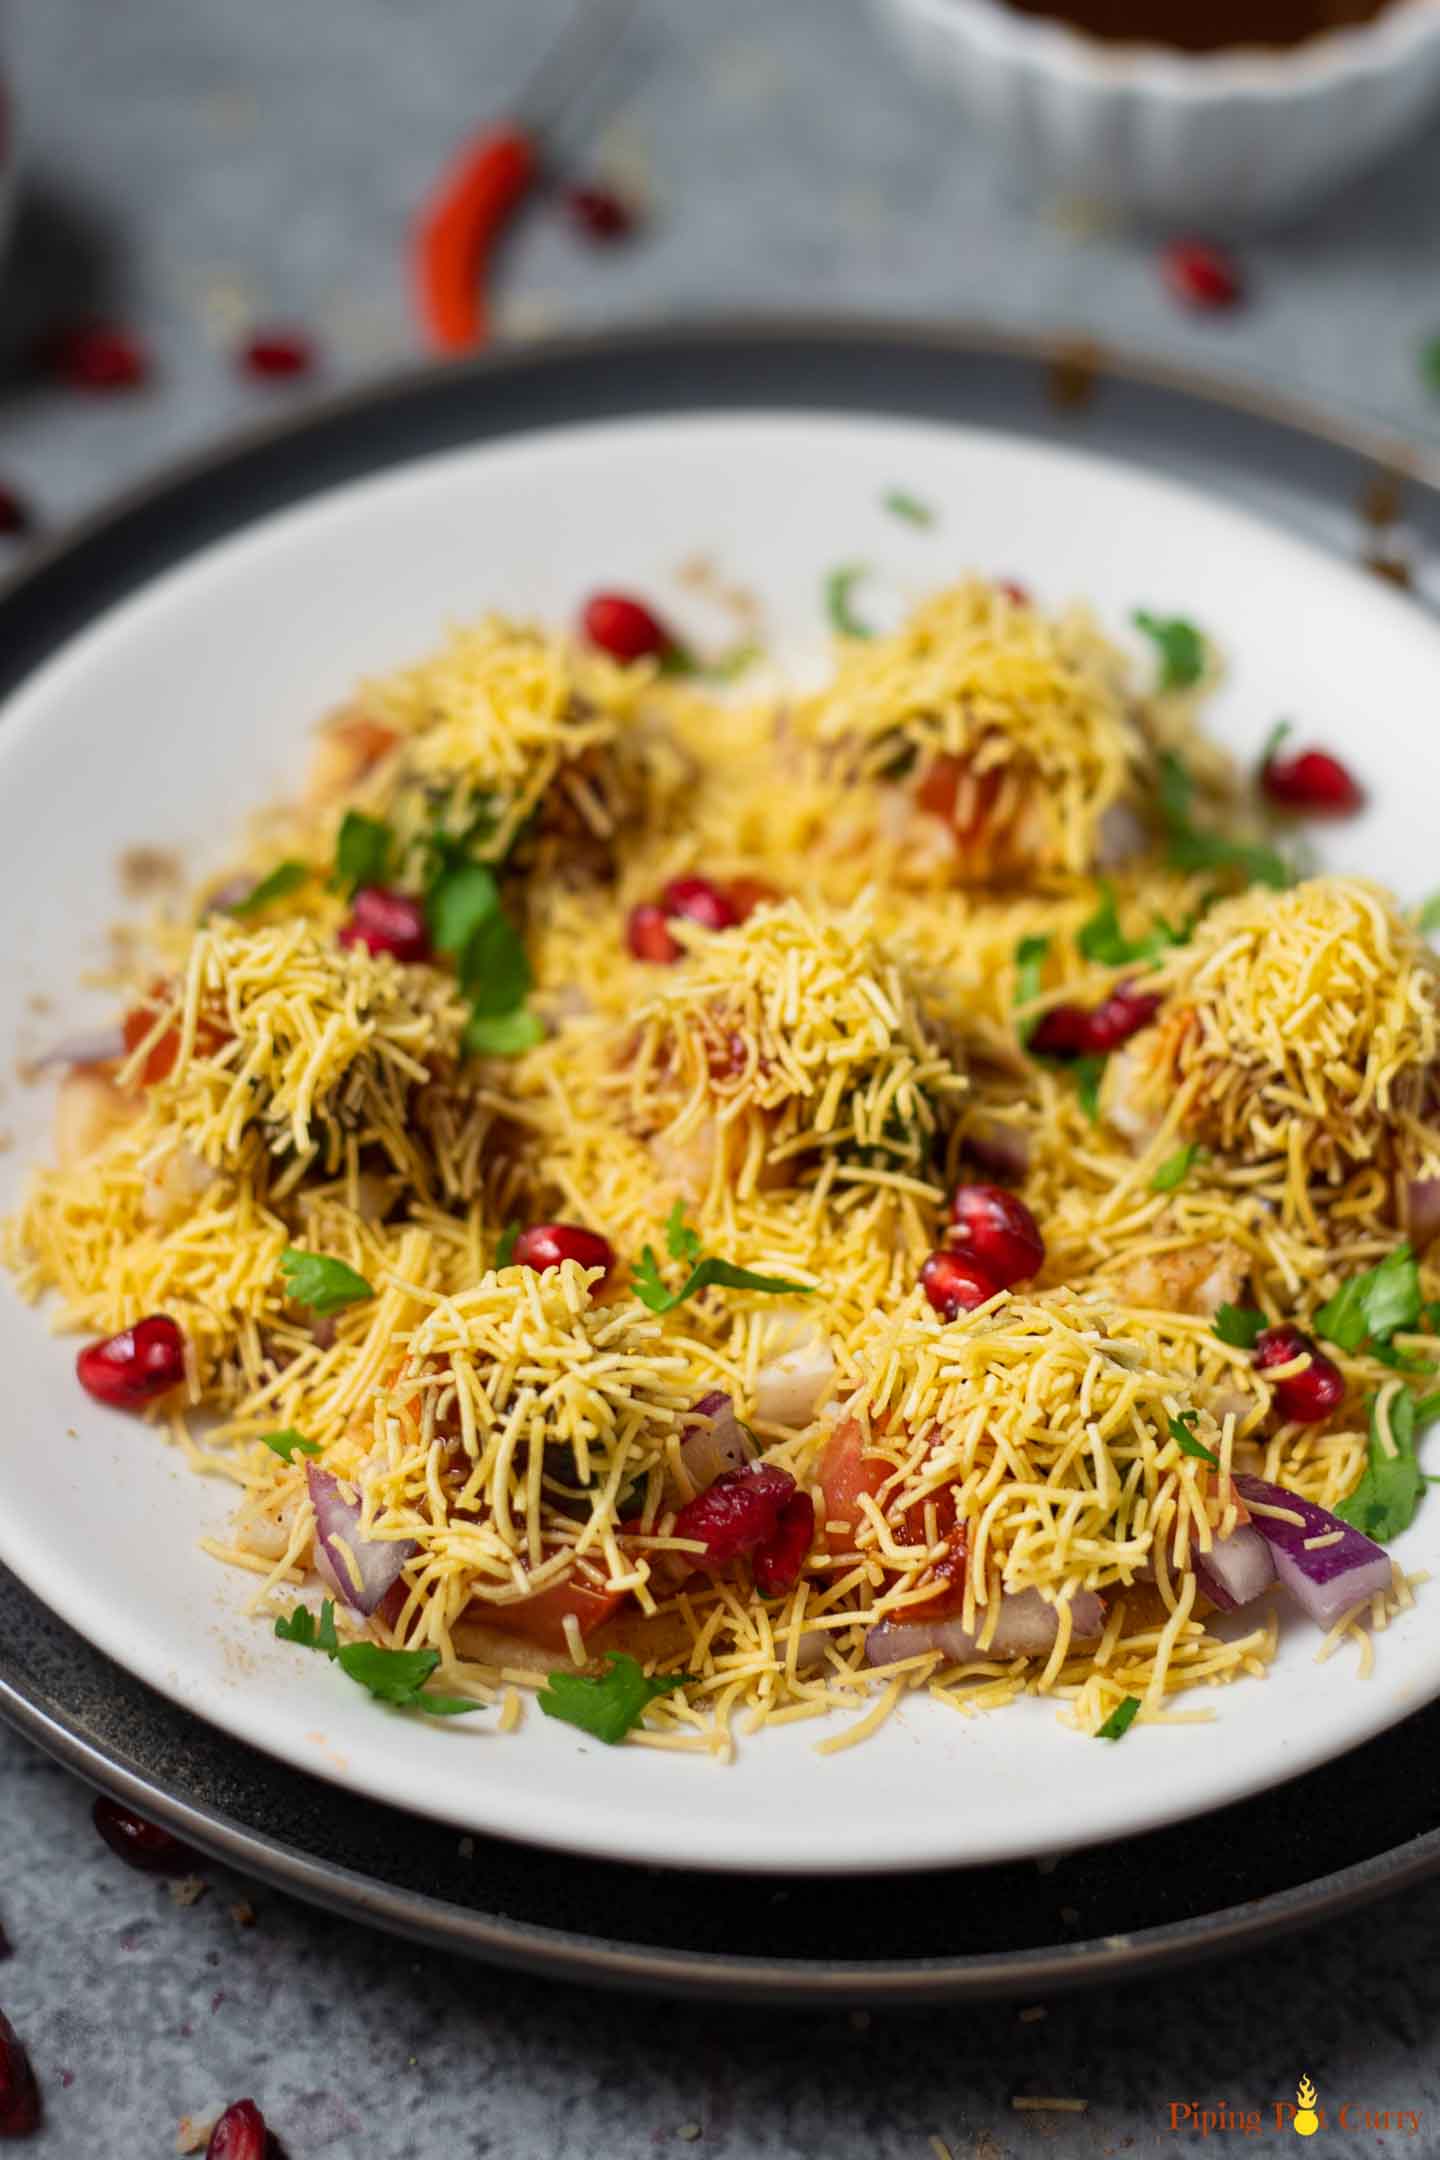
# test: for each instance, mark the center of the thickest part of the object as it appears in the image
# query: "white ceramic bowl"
(1242, 135)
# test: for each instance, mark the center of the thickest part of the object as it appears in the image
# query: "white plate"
(191, 702)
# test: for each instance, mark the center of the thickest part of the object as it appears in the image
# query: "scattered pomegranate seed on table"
(140, 1844)
(240, 2134)
(1202, 276)
(135, 1366)
(625, 628)
(1306, 1398)
(599, 213)
(19, 2093)
(93, 356)
(740, 1511)
(999, 1230)
(388, 922)
(276, 355)
(648, 937)
(545, 1245)
(1313, 781)
(777, 1563)
(955, 1281)
(14, 513)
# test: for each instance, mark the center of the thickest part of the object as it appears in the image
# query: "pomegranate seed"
(738, 1513)
(999, 1230)
(544, 1245)
(1308, 1397)
(1122, 1015)
(777, 1563)
(140, 1844)
(1063, 1032)
(624, 628)
(648, 937)
(599, 213)
(1200, 275)
(1312, 781)
(1012, 590)
(94, 356)
(136, 1365)
(240, 2134)
(272, 354)
(388, 922)
(14, 515)
(957, 1281)
(19, 2094)
(699, 902)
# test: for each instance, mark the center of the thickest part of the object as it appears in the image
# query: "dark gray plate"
(1307, 1851)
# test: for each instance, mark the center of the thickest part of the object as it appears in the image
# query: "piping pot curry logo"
(1305, 2122)
(1304, 2115)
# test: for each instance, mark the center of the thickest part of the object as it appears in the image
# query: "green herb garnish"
(1121, 1718)
(458, 900)
(362, 852)
(1180, 646)
(1384, 1502)
(1185, 1440)
(1429, 917)
(285, 878)
(288, 1444)
(1385, 1300)
(1240, 1326)
(396, 1677)
(503, 1034)
(1030, 955)
(838, 587)
(1173, 1172)
(1193, 848)
(324, 1284)
(1101, 939)
(909, 507)
(505, 1245)
(684, 1244)
(608, 1706)
(1089, 1072)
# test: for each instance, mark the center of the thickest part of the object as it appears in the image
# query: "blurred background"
(191, 174)
(214, 218)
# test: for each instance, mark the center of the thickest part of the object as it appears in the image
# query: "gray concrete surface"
(193, 164)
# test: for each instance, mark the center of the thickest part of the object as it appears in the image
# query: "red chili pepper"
(1312, 781)
(19, 2094)
(739, 1512)
(1204, 277)
(135, 1366)
(459, 232)
(545, 1245)
(777, 1563)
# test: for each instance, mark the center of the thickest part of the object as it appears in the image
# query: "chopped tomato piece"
(940, 792)
(847, 1472)
(161, 1056)
(541, 1618)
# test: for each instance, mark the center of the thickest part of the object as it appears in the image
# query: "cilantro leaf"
(1382, 1301)
(322, 1283)
(1102, 940)
(1193, 848)
(1173, 1172)
(724, 668)
(1180, 647)
(708, 1273)
(301, 1627)
(505, 1245)
(1030, 955)
(681, 1241)
(1121, 1718)
(459, 900)
(1089, 1072)
(494, 970)
(285, 878)
(1185, 1440)
(1429, 917)
(1240, 1326)
(289, 1443)
(1273, 741)
(362, 851)
(610, 1706)
(1392, 1487)
(503, 1034)
(838, 587)
(909, 507)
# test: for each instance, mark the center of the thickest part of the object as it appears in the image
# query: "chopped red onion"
(1422, 1200)
(1001, 1149)
(1323, 1583)
(1236, 1569)
(719, 1444)
(339, 1542)
(1027, 1627)
(789, 1387)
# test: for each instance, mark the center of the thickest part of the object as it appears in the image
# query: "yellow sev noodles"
(805, 1087)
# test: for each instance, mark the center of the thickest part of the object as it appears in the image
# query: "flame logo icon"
(1306, 2122)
